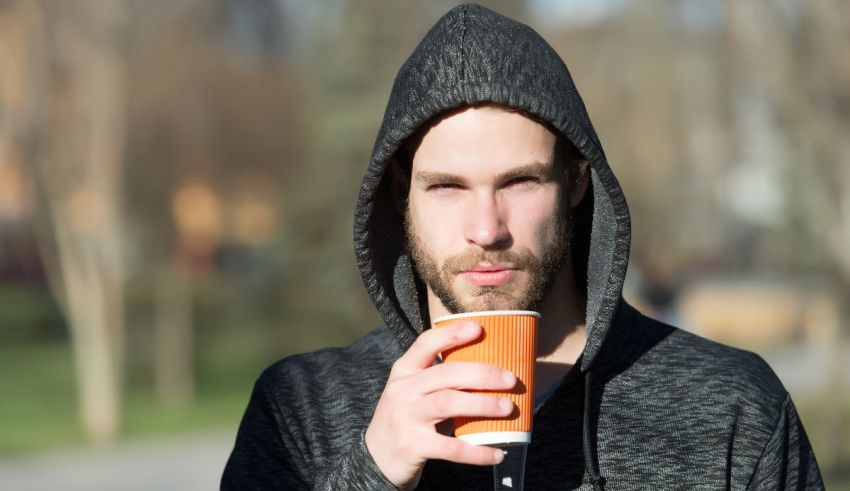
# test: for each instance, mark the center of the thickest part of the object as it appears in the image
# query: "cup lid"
(485, 313)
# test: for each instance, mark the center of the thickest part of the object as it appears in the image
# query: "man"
(488, 189)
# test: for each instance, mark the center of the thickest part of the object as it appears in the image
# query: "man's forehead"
(484, 136)
(412, 142)
(485, 108)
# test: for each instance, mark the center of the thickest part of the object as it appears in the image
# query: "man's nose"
(485, 222)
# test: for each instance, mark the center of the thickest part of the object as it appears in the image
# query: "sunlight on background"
(177, 180)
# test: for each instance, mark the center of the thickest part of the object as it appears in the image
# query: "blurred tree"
(356, 49)
(624, 60)
(79, 78)
(820, 109)
(214, 134)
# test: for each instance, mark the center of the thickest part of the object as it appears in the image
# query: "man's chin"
(490, 301)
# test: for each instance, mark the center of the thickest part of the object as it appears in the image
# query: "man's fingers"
(462, 375)
(430, 343)
(445, 404)
(457, 450)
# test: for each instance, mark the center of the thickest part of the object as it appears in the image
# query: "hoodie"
(646, 406)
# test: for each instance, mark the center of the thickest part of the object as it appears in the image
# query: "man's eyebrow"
(534, 169)
(431, 177)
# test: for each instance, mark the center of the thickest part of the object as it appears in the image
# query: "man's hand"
(402, 435)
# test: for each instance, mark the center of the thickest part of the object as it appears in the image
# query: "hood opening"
(398, 169)
(473, 56)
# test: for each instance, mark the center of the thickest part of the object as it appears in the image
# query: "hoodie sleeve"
(266, 456)
(357, 472)
(787, 461)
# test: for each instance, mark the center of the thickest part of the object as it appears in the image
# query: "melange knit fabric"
(648, 406)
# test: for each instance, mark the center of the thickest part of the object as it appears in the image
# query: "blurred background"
(177, 180)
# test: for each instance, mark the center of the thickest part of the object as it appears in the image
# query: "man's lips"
(489, 275)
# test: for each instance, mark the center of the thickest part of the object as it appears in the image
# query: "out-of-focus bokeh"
(177, 180)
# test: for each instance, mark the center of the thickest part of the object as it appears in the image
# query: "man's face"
(487, 216)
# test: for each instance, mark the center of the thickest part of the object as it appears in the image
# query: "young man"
(488, 189)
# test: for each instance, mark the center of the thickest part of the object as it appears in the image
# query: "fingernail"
(508, 377)
(498, 456)
(505, 405)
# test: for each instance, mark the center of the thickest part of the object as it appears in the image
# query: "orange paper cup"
(509, 341)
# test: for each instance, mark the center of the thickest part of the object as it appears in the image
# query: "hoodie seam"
(604, 362)
(783, 411)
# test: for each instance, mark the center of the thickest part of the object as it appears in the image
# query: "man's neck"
(562, 333)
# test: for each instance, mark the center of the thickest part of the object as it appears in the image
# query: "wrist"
(377, 468)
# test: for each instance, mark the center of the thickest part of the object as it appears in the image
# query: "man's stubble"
(542, 271)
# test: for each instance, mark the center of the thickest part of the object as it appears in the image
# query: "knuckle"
(483, 405)
(496, 376)
(490, 404)
(482, 454)
(451, 448)
(455, 333)
(390, 389)
(404, 444)
(427, 338)
(495, 373)
(441, 401)
(463, 370)
(484, 375)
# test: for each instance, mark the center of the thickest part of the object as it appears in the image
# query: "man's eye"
(443, 186)
(523, 181)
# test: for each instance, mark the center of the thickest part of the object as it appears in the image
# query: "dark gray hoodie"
(648, 406)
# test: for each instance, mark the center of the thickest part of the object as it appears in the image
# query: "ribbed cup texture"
(509, 342)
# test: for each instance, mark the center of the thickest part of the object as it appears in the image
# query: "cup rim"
(484, 313)
(497, 438)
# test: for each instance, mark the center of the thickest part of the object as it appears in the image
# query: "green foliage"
(38, 409)
(29, 313)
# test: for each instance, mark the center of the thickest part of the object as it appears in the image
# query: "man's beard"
(541, 272)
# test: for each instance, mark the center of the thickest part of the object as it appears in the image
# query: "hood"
(471, 56)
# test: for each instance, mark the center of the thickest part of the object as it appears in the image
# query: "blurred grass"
(31, 306)
(38, 407)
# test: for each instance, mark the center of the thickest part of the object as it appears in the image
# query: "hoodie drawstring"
(590, 463)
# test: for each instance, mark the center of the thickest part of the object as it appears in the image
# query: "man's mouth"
(489, 274)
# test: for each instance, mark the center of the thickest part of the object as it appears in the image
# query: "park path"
(187, 463)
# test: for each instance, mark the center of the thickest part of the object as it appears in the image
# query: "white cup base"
(498, 438)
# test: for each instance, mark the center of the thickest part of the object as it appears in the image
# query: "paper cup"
(509, 341)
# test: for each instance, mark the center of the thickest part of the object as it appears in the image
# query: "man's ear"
(582, 182)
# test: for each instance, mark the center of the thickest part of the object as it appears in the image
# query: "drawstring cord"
(590, 463)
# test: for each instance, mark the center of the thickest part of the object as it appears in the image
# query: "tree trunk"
(173, 338)
(80, 80)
